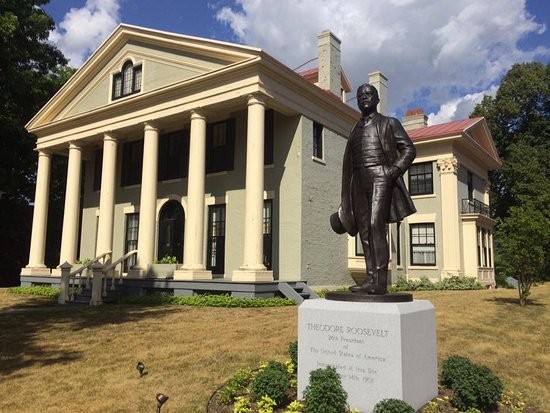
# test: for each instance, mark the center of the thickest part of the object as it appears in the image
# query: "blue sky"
(441, 55)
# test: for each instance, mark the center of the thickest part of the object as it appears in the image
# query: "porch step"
(296, 291)
(85, 296)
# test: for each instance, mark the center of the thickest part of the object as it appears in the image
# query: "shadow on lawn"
(22, 344)
(514, 301)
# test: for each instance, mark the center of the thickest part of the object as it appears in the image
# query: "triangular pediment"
(165, 59)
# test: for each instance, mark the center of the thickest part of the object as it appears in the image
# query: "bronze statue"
(377, 154)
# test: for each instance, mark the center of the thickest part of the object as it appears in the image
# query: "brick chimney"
(329, 62)
(415, 119)
(380, 82)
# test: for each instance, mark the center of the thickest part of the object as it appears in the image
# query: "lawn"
(61, 359)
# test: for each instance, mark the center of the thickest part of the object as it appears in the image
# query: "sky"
(439, 55)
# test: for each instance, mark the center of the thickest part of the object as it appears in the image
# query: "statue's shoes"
(369, 289)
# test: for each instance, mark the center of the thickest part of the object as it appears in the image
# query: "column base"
(36, 271)
(192, 274)
(252, 275)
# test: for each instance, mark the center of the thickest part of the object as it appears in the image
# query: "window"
(421, 179)
(422, 244)
(173, 160)
(98, 166)
(220, 146)
(268, 138)
(267, 229)
(128, 81)
(317, 140)
(484, 252)
(215, 254)
(132, 160)
(131, 239)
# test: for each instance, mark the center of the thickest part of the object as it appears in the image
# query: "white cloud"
(433, 51)
(459, 108)
(83, 30)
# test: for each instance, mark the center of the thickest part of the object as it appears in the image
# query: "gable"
(165, 59)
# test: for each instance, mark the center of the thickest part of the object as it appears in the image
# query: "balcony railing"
(473, 206)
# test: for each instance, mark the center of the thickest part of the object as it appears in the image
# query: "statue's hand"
(394, 172)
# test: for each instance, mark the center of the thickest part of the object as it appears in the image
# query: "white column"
(148, 201)
(448, 168)
(193, 262)
(253, 268)
(40, 218)
(107, 196)
(69, 237)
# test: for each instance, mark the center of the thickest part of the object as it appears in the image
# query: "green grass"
(63, 359)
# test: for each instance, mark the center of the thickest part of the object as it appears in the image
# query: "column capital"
(110, 136)
(73, 145)
(256, 99)
(149, 125)
(198, 113)
(43, 152)
(448, 165)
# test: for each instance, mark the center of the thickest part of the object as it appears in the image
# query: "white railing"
(111, 269)
(71, 281)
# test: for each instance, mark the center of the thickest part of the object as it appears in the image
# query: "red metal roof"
(442, 130)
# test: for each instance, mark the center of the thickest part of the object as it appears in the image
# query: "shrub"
(293, 353)
(392, 406)
(266, 405)
(206, 300)
(272, 381)
(36, 290)
(325, 393)
(242, 405)
(424, 284)
(474, 385)
(236, 386)
(454, 368)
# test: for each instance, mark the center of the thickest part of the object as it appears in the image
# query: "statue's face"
(367, 98)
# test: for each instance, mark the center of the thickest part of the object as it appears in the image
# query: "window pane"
(117, 86)
(421, 179)
(137, 79)
(422, 244)
(128, 80)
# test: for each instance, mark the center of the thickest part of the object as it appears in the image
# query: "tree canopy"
(31, 71)
(519, 120)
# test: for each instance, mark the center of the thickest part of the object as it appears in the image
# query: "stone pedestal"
(381, 350)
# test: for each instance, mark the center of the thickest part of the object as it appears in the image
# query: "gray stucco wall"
(324, 253)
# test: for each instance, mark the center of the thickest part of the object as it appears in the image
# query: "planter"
(161, 270)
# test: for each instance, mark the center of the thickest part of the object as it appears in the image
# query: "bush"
(293, 353)
(206, 300)
(474, 385)
(236, 386)
(392, 406)
(272, 381)
(37, 290)
(424, 284)
(454, 368)
(325, 393)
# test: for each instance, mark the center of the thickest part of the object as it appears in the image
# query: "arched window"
(127, 81)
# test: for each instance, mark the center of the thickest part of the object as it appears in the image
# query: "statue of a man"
(377, 154)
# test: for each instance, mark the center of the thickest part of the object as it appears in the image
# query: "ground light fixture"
(161, 399)
(141, 368)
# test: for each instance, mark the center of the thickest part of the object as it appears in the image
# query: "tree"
(519, 120)
(31, 71)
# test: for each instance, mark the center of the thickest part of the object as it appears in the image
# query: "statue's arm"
(406, 152)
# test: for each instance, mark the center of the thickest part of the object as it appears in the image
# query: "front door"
(171, 223)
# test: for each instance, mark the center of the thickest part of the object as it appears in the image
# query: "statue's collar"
(370, 118)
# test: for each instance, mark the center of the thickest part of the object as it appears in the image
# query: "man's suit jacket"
(400, 152)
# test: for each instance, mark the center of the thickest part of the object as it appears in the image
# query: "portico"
(212, 129)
